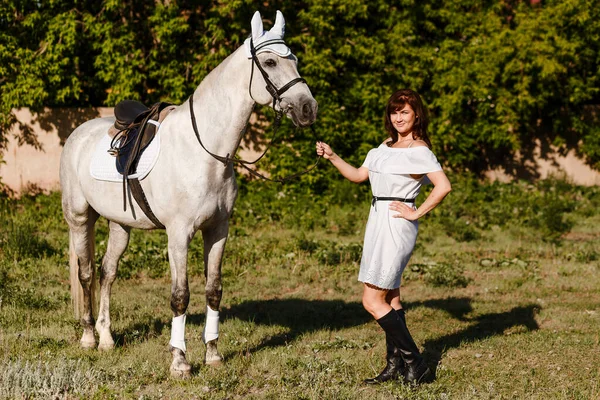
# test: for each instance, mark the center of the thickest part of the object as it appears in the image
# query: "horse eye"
(269, 62)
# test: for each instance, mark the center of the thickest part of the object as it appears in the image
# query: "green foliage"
(6, 286)
(498, 77)
(477, 206)
(329, 252)
(145, 255)
(20, 237)
(11, 293)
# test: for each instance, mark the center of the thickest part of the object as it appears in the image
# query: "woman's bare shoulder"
(419, 143)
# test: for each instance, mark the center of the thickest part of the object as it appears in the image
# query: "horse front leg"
(118, 238)
(180, 298)
(214, 246)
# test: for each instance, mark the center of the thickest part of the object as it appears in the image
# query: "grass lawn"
(500, 310)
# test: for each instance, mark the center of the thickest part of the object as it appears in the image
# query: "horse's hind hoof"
(214, 363)
(87, 345)
(88, 341)
(212, 356)
(106, 346)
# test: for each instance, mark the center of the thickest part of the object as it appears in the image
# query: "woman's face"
(403, 119)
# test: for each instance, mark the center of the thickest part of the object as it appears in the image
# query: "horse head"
(278, 81)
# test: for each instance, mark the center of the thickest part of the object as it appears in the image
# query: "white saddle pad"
(104, 166)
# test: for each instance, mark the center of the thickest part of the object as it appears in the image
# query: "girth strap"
(140, 198)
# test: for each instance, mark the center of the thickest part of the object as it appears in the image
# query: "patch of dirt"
(581, 236)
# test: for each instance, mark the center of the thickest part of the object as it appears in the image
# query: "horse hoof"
(181, 371)
(214, 363)
(212, 356)
(106, 346)
(88, 340)
(180, 368)
(86, 344)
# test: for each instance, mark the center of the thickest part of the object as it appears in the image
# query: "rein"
(276, 95)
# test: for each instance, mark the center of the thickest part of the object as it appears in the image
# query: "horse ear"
(257, 26)
(279, 26)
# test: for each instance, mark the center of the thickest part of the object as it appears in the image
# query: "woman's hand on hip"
(324, 150)
(404, 211)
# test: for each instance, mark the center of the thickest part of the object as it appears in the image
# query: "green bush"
(17, 295)
(329, 252)
(20, 236)
(146, 254)
(475, 206)
(496, 86)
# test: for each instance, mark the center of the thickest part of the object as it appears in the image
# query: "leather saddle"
(134, 128)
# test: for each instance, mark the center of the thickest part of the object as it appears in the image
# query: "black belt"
(377, 198)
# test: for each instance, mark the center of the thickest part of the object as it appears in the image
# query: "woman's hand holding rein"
(324, 150)
(349, 172)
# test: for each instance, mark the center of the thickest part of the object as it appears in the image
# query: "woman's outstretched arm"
(349, 172)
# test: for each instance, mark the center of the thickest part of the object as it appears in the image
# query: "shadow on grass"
(482, 326)
(302, 316)
(485, 326)
(140, 332)
(299, 315)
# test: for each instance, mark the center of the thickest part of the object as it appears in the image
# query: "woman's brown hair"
(397, 102)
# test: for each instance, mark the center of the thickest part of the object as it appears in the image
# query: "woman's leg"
(393, 299)
(379, 302)
(374, 301)
(415, 369)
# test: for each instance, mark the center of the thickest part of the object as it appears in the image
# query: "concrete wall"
(26, 167)
(553, 163)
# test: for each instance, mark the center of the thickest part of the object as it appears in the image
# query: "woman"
(396, 169)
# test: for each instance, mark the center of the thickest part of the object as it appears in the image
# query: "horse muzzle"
(302, 112)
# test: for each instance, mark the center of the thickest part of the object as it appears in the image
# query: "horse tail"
(76, 289)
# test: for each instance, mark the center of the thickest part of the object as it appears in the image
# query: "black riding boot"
(416, 369)
(395, 366)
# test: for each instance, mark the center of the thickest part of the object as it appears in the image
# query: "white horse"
(188, 189)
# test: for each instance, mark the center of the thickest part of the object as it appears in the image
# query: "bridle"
(276, 95)
(271, 88)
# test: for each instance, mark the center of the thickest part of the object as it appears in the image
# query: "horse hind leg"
(81, 260)
(118, 238)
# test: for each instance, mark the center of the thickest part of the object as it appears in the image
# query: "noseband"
(276, 95)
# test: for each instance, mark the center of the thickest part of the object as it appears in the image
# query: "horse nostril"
(306, 110)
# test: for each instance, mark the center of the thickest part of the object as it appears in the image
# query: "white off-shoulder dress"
(389, 242)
